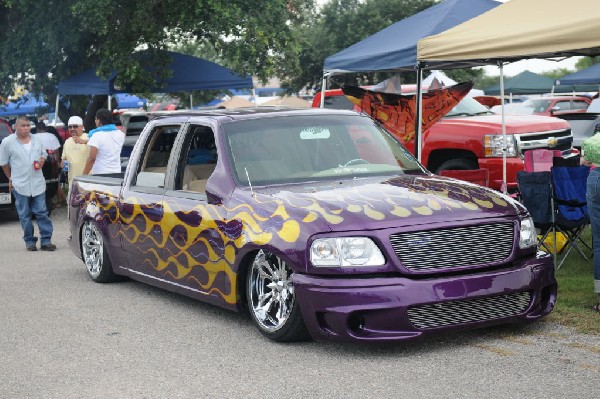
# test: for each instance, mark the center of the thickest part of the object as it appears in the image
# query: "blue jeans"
(593, 202)
(26, 208)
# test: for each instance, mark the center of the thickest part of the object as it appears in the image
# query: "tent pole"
(191, 100)
(254, 97)
(418, 123)
(56, 110)
(109, 102)
(504, 143)
(323, 88)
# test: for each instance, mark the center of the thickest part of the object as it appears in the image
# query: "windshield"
(288, 149)
(468, 107)
(537, 105)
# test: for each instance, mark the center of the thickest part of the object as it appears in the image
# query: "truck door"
(196, 245)
(141, 205)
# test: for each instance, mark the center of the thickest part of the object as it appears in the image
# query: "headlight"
(493, 144)
(345, 251)
(527, 234)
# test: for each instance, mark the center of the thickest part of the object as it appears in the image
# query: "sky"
(532, 65)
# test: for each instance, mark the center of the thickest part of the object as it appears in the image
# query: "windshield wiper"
(461, 114)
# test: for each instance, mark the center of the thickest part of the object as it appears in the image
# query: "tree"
(586, 62)
(343, 23)
(42, 43)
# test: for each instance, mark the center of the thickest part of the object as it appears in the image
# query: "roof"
(395, 47)
(515, 30)
(188, 74)
(586, 76)
(251, 113)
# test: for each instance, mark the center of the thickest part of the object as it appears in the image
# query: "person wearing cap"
(105, 143)
(76, 154)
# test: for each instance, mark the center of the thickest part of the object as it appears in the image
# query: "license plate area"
(5, 198)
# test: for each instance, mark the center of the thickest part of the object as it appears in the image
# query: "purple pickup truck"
(316, 222)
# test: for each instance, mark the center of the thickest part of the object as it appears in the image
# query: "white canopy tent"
(516, 30)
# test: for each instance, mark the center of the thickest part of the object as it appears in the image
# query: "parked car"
(6, 199)
(548, 106)
(583, 124)
(315, 222)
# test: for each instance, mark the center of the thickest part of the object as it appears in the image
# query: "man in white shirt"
(49, 141)
(105, 143)
(22, 156)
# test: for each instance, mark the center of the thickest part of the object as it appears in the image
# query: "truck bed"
(109, 179)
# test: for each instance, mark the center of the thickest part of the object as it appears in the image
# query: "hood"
(376, 203)
(514, 123)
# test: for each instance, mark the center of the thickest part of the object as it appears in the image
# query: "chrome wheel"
(270, 291)
(92, 246)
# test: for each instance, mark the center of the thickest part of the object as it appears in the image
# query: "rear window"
(136, 124)
(338, 102)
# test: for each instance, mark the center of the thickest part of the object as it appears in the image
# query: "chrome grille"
(436, 250)
(550, 140)
(468, 311)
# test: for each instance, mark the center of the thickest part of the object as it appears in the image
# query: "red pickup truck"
(470, 137)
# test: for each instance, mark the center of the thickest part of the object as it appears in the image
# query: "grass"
(576, 292)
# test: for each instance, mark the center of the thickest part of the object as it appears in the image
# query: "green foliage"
(576, 292)
(44, 42)
(340, 24)
(557, 73)
(586, 62)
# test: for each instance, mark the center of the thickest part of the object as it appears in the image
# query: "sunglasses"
(73, 126)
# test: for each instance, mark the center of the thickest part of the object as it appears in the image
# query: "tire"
(457, 164)
(271, 300)
(94, 254)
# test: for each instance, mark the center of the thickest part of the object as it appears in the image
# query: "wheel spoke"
(92, 246)
(271, 291)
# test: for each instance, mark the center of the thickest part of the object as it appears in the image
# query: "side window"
(563, 105)
(578, 104)
(199, 158)
(153, 166)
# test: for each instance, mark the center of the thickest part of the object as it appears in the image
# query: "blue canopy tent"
(188, 74)
(395, 47)
(25, 105)
(582, 80)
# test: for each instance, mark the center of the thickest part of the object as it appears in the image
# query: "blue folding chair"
(570, 207)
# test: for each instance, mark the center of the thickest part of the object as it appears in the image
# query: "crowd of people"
(23, 155)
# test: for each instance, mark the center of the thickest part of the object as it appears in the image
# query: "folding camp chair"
(556, 203)
(535, 192)
(570, 206)
(476, 176)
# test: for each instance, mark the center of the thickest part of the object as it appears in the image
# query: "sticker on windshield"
(315, 132)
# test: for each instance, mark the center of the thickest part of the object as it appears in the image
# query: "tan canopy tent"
(518, 29)
(512, 31)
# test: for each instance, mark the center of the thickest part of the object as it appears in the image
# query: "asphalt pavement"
(64, 336)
